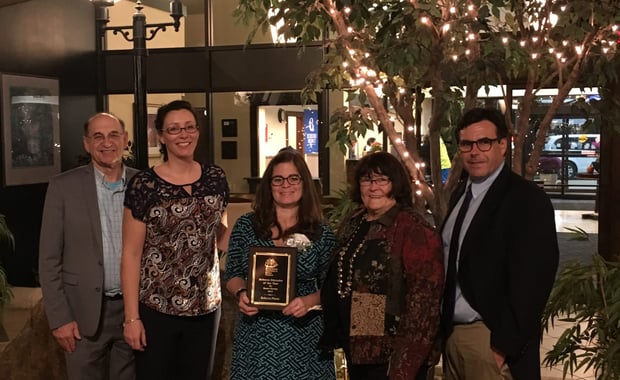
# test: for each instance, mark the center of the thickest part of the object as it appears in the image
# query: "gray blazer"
(71, 251)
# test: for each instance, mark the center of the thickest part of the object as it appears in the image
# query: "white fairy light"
(579, 49)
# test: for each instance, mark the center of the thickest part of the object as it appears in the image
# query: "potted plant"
(7, 244)
(588, 296)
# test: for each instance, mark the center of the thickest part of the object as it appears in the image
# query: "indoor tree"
(399, 50)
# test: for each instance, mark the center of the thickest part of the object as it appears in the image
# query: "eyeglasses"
(293, 179)
(484, 144)
(381, 181)
(191, 129)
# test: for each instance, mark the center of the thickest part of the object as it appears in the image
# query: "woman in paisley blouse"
(382, 295)
(169, 266)
(281, 345)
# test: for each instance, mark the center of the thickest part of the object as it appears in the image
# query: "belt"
(115, 297)
(455, 323)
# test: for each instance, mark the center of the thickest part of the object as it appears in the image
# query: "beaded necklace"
(344, 287)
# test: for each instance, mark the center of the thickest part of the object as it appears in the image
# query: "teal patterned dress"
(270, 345)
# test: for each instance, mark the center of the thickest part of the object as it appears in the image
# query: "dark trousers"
(368, 371)
(177, 347)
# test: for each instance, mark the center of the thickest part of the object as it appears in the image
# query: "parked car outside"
(580, 151)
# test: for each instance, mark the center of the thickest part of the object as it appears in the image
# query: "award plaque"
(271, 277)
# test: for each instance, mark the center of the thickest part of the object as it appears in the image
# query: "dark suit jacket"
(507, 265)
(71, 251)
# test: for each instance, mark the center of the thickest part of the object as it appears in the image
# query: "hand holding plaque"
(271, 277)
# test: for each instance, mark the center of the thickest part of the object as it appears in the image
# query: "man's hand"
(66, 335)
(500, 358)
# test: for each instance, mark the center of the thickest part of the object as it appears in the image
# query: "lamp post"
(136, 33)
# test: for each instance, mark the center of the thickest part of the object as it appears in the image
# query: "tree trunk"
(609, 187)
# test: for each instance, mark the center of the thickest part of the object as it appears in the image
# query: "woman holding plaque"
(382, 295)
(281, 344)
(169, 267)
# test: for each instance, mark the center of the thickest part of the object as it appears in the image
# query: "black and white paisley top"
(179, 273)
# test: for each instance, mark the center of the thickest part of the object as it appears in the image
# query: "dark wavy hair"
(476, 115)
(309, 214)
(175, 105)
(385, 164)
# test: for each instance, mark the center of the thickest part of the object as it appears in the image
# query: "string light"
(366, 76)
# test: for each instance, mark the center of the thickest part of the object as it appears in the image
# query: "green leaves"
(587, 295)
(7, 243)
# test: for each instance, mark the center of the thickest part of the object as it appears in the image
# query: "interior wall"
(53, 38)
(226, 106)
(226, 31)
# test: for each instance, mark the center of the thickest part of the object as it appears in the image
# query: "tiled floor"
(16, 314)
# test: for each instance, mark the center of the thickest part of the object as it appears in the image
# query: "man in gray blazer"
(79, 256)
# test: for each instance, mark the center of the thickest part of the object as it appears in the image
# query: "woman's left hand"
(297, 308)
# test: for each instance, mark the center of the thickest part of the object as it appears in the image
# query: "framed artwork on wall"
(152, 136)
(30, 129)
(229, 127)
(229, 150)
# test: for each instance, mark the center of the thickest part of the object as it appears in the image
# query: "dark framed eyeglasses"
(174, 130)
(381, 181)
(484, 144)
(293, 179)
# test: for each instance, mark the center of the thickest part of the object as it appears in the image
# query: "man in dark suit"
(501, 265)
(79, 256)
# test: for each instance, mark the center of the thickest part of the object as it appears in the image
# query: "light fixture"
(139, 33)
(104, 3)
